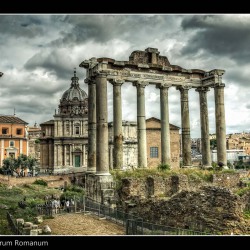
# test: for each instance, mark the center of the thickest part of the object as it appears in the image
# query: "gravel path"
(80, 224)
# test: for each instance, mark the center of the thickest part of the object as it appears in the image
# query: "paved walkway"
(80, 224)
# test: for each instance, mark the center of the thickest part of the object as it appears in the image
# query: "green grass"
(247, 214)
(10, 197)
(242, 191)
(195, 175)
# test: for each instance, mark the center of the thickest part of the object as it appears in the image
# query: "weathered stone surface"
(28, 224)
(46, 230)
(188, 202)
(33, 232)
(229, 180)
(19, 222)
(38, 219)
(211, 209)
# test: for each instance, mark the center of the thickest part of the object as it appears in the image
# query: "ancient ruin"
(143, 68)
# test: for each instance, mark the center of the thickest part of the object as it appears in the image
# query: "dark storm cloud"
(238, 76)
(218, 36)
(102, 28)
(22, 26)
(57, 62)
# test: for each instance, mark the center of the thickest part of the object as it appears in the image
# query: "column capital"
(163, 85)
(183, 87)
(219, 85)
(116, 82)
(202, 89)
(140, 83)
(99, 73)
(89, 80)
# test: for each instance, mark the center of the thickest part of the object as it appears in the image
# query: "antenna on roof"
(74, 72)
(14, 111)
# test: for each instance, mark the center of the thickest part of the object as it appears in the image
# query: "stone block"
(33, 232)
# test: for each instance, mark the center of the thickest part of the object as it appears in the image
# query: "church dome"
(74, 101)
(74, 93)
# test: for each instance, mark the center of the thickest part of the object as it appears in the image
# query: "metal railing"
(13, 226)
(133, 224)
(139, 227)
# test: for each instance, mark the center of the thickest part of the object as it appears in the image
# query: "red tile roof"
(11, 119)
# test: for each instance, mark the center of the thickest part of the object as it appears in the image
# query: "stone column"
(70, 155)
(165, 130)
(83, 155)
(205, 141)
(102, 155)
(141, 124)
(185, 124)
(117, 121)
(91, 167)
(65, 155)
(55, 156)
(220, 124)
(111, 157)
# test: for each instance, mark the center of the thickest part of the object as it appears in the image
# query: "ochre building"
(13, 137)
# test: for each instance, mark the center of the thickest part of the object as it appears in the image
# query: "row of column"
(98, 154)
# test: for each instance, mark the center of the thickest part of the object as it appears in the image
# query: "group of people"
(56, 205)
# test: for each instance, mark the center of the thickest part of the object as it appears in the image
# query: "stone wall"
(212, 209)
(230, 180)
(188, 203)
(52, 180)
(100, 188)
(157, 186)
(152, 186)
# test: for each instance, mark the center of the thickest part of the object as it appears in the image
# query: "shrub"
(163, 167)
(40, 182)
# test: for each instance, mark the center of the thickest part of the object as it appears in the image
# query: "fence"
(134, 225)
(13, 226)
(139, 227)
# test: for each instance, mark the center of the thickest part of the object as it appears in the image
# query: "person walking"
(67, 206)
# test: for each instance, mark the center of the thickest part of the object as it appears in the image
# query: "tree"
(31, 162)
(19, 164)
(9, 166)
(213, 143)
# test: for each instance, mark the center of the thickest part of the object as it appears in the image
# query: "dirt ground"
(82, 224)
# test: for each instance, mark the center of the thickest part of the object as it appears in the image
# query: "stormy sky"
(39, 53)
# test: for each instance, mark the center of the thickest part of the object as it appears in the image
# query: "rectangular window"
(19, 131)
(77, 130)
(153, 152)
(12, 144)
(4, 131)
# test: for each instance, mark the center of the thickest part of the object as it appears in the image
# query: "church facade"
(64, 139)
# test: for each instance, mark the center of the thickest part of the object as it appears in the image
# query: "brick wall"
(52, 180)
